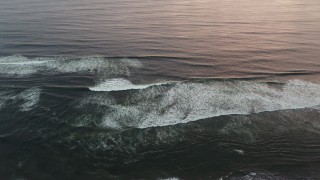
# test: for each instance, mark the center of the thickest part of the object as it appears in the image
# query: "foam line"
(121, 85)
(23, 63)
(102, 67)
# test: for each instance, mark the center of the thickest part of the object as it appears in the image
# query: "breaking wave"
(190, 101)
(121, 85)
(20, 65)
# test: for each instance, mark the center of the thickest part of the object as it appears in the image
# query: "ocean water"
(145, 89)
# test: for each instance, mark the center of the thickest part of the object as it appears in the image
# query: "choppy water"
(134, 89)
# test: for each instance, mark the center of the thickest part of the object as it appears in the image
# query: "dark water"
(134, 89)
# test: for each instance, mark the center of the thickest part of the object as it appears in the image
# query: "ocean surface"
(146, 89)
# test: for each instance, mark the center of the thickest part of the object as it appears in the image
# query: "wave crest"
(121, 85)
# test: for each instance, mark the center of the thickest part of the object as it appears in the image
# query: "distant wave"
(121, 85)
(20, 65)
(190, 101)
(23, 63)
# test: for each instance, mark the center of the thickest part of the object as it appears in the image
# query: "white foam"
(121, 116)
(21, 65)
(186, 102)
(31, 97)
(15, 58)
(170, 178)
(239, 151)
(121, 85)
(24, 63)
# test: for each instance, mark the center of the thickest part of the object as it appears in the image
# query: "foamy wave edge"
(21, 65)
(191, 101)
(120, 84)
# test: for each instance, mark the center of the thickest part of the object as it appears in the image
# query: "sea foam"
(121, 85)
(102, 67)
(26, 99)
(31, 97)
(190, 101)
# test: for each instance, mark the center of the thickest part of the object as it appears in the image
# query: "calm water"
(134, 89)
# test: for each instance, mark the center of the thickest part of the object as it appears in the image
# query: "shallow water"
(150, 89)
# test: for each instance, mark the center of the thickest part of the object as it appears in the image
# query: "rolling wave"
(190, 101)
